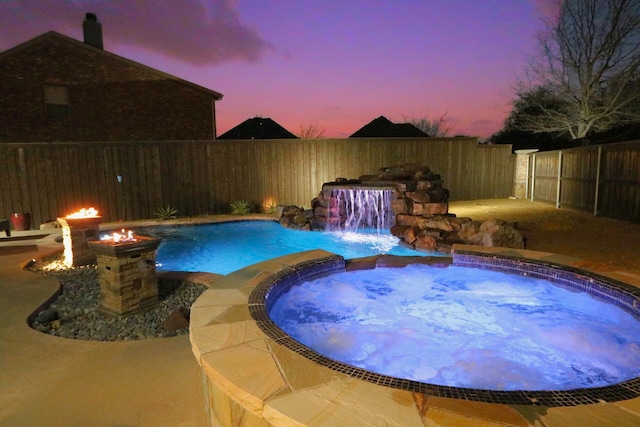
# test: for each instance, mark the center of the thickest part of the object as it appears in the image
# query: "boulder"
(467, 230)
(435, 208)
(403, 186)
(422, 185)
(407, 220)
(321, 211)
(399, 207)
(495, 232)
(47, 316)
(419, 196)
(426, 243)
(300, 218)
(436, 223)
(438, 195)
(410, 234)
(398, 230)
(177, 319)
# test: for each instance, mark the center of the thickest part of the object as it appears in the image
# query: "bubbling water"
(463, 327)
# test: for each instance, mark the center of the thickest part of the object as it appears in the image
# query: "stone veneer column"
(76, 235)
(127, 275)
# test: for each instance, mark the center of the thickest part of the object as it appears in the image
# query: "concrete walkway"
(50, 381)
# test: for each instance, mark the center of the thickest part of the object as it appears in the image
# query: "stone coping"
(249, 376)
(208, 219)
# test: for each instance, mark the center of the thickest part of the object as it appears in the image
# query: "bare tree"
(310, 131)
(436, 128)
(589, 63)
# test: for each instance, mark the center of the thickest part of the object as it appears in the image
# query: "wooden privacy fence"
(602, 179)
(130, 180)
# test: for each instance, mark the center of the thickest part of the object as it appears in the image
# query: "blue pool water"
(463, 327)
(226, 247)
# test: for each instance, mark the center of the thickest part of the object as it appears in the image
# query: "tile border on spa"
(610, 290)
(616, 292)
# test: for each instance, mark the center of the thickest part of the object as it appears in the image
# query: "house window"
(56, 99)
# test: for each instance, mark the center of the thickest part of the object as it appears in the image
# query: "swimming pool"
(222, 248)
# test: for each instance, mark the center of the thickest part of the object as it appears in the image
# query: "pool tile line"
(610, 290)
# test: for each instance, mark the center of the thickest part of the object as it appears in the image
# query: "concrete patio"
(50, 381)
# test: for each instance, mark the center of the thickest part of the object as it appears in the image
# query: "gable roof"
(258, 128)
(384, 128)
(43, 38)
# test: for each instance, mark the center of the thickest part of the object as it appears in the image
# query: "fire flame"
(84, 213)
(123, 236)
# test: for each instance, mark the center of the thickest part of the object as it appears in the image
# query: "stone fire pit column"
(127, 275)
(76, 233)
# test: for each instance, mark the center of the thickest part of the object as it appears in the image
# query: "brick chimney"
(92, 30)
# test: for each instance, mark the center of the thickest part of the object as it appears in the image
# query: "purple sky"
(336, 64)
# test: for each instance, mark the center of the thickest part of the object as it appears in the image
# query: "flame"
(123, 236)
(269, 205)
(84, 213)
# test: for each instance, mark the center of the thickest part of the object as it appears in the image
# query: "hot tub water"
(463, 327)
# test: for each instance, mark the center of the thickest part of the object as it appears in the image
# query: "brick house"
(55, 88)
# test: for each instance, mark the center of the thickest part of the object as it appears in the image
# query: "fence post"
(595, 201)
(559, 185)
(533, 176)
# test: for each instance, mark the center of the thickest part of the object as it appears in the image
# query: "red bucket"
(21, 221)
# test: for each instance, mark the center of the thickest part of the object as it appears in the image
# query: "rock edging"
(421, 209)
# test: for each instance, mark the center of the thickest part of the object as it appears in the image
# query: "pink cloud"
(547, 8)
(200, 32)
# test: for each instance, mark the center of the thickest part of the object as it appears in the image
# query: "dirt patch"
(562, 231)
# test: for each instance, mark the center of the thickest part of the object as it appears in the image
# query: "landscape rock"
(439, 232)
(420, 206)
(426, 243)
(46, 316)
(417, 191)
(78, 317)
(177, 319)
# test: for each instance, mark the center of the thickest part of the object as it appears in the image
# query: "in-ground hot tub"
(260, 371)
(462, 327)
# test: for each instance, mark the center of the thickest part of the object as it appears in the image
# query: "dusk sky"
(337, 64)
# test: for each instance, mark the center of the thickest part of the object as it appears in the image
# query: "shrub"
(166, 213)
(240, 207)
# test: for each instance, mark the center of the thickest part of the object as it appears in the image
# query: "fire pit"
(127, 273)
(78, 229)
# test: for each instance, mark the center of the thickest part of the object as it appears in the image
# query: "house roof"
(384, 128)
(258, 128)
(81, 45)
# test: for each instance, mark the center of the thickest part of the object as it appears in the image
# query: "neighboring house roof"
(258, 128)
(81, 45)
(384, 128)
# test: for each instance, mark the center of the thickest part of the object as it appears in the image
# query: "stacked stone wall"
(127, 276)
(416, 191)
(420, 206)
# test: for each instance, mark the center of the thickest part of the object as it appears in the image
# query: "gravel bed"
(73, 314)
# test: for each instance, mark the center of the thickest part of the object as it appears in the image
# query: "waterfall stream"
(360, 208)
